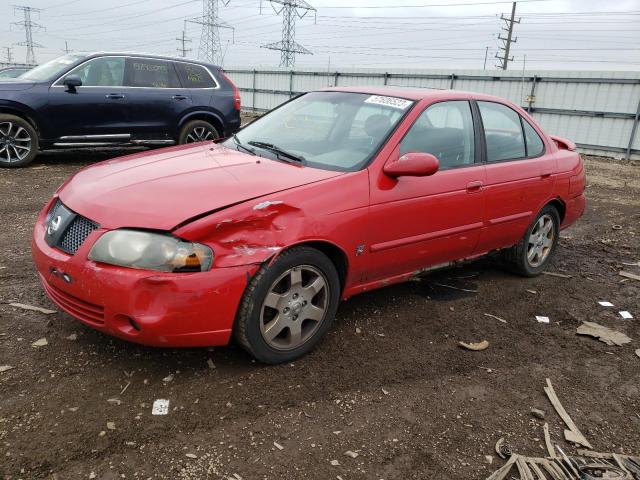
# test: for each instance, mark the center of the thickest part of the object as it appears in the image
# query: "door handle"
(114, 96)
(473, 187)
(546, 174)
(179, 97)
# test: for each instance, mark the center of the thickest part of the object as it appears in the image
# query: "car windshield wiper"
(240, 145)
(277, 150)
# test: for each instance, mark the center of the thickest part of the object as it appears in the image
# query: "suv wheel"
(197, 131)
(18, 141)
(288, 306)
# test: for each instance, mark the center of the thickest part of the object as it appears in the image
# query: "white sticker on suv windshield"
(394, 102)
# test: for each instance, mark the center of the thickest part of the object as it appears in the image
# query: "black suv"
(114, 99)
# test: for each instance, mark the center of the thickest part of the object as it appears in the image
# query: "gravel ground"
(389, 383)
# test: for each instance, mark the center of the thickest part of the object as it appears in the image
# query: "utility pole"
(504, 59)
(290, 9)
(66, 47)
(210, 47)
(29, 26)
(183, 42)
(9, 54)
(486, 52)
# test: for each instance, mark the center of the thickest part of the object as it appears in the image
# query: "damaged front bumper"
(150, 308)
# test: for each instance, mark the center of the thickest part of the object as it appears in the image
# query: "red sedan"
(334, 193)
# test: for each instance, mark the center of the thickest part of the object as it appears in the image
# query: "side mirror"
(71, 82)
(412, 164)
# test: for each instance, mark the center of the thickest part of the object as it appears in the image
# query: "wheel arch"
(21, 113)
(559, 205)
(336, 254)
(207, 116)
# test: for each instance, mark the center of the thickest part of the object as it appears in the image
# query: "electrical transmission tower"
(29, 26)
(290, 9)
(183, 44)
(504, 58)
(210, 47)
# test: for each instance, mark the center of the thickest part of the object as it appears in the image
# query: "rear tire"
(197, 131)
(533, 253)
(18, 142)
(288, 306)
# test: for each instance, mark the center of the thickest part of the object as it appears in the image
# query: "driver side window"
(445, 130)
(101, 72)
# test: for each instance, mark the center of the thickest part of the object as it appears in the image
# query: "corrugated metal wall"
(597, 110)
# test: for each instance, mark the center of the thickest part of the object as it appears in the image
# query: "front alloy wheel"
(288, 306)
(18, 141)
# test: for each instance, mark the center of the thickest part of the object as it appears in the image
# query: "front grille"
(71, 231)
(85, 311)
(76, 234)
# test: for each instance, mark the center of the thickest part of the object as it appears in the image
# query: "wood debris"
(573, 434)
(33, 308)
(630, 275)
(40, 343)
(602, 333)
(477, 347)
(456, 288)
(638, 352)
(556, 274)
(496, 317)
(5, 368)
(547, 441)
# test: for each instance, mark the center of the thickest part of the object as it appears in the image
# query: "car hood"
(166, 188)
(15, 85)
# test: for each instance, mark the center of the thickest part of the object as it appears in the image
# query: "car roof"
(151, 55)
(416, 93)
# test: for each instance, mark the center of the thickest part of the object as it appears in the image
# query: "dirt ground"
(388, 383)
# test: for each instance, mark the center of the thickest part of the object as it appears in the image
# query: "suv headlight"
(151, 251)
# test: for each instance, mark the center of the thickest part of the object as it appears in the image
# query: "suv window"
(535, 145)
(100, 72)
(503, 132)
(195, 76)
(445, 130)
(147, 72)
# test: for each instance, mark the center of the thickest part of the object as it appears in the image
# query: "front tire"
(197, 131)
(288, 306)
(18, 142)
(533, 253)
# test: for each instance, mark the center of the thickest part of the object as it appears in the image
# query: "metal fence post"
(633, 132)
(291, 84)
(532, 94)
(453, 79)
(386, 78)
(335, 81)
(253, 96)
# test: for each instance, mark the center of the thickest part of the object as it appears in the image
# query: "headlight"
(151, 251)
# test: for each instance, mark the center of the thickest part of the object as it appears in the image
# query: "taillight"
(236, 93)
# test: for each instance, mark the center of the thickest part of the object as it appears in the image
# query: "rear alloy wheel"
(531, 256)
(198, 131)
(18, 142)
(288, 306)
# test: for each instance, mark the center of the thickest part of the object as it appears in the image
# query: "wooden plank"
(547, 441)
(573, 434)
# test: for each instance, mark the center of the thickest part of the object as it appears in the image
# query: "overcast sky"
(553, 34)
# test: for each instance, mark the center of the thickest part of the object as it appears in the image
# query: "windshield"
(329, 130)
(51, 69)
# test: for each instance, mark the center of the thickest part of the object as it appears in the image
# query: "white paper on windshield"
(394, 102)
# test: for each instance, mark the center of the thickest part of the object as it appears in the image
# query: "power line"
(291, 9)
(28, 26)
(506, 46)
(428, 5)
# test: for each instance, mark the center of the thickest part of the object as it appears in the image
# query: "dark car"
(8, 73)
(114, 99)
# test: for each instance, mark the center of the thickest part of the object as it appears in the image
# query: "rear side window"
(535, 145)
(146, 72)
(445, 130)
(195, 76)
(503, 132)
